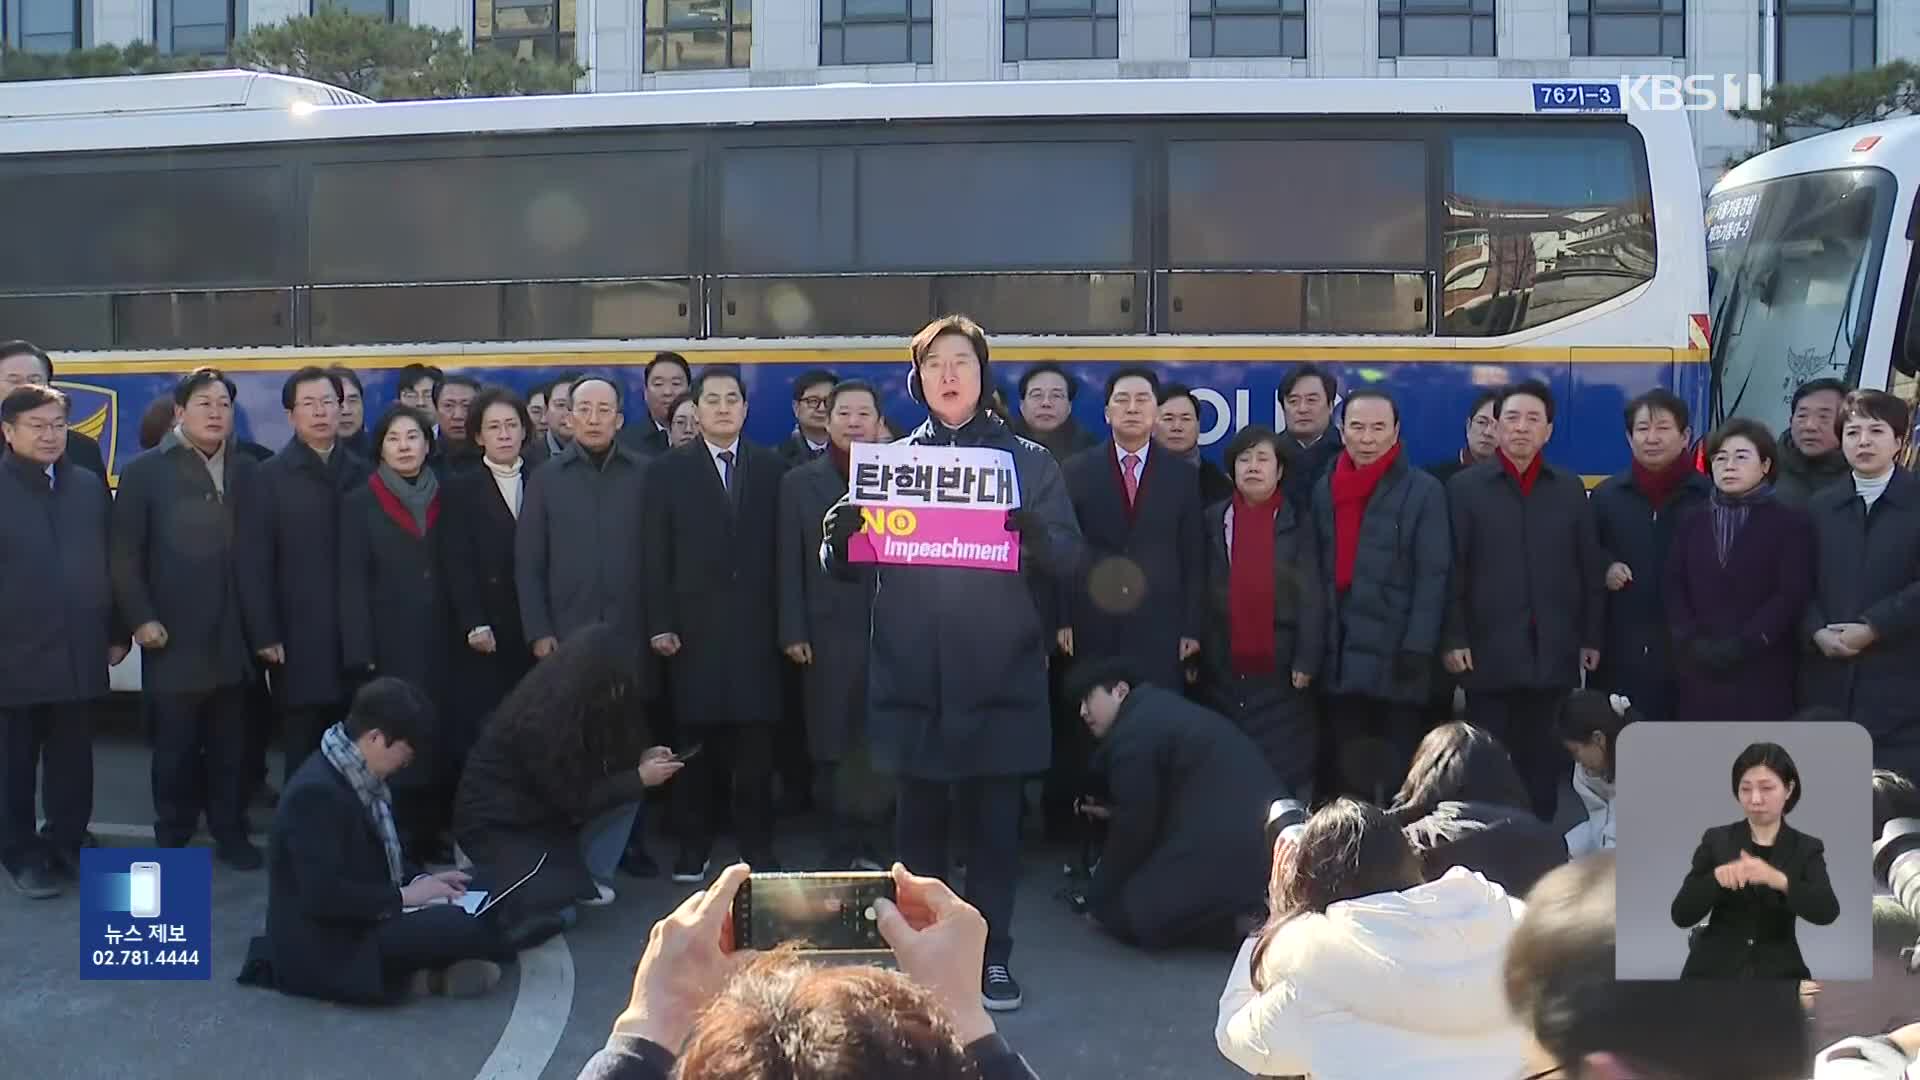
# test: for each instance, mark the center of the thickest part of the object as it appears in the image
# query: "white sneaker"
(601, 898)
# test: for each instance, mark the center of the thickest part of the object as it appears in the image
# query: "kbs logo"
(1692, 93)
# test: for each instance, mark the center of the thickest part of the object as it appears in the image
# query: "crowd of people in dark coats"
(1293, 622)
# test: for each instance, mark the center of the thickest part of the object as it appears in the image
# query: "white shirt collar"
(51, 480)
(714, 452)
(1120, 455)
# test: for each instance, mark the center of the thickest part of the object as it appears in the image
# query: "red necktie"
(1130, 476)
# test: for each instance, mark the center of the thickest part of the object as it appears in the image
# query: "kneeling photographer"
(1185, 858)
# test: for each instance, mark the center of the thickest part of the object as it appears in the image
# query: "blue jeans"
(604, 840)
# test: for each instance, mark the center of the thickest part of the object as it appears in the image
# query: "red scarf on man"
(1524, 479)
(1250, 586)
(1352, 486)
(1658, 487)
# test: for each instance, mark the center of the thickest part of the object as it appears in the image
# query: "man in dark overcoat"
(824, 623)
(57, 643)
(289, 562)
(175, 581)
(1528, 610)
(712, 513)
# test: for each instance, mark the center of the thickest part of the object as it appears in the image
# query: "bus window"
(1540, 227)
(1297, 204)
(1795, 263)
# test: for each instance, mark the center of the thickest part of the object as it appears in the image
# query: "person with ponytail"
(1588, 724)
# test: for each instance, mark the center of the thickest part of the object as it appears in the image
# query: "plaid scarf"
(345, 757)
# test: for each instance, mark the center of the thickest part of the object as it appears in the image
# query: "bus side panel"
(1433, 395)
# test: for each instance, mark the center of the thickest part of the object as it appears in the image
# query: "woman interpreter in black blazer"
(1755, 878)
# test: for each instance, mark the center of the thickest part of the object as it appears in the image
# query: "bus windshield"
(1791, 265)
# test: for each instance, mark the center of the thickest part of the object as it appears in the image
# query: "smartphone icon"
(144, 896)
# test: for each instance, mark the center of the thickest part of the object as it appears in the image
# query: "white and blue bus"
(1432, 237)
(1810, 248)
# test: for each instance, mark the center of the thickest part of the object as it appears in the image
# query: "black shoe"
(999, 992)
(240, 855)
(691, 867)
(637, 863)
(34, 881)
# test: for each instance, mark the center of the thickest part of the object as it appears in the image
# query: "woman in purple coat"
(1739, 575)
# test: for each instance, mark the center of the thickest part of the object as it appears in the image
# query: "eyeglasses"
(814, 402)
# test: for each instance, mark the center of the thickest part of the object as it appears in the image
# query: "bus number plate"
(1576, 97)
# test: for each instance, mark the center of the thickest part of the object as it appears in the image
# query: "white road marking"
(540, 1012)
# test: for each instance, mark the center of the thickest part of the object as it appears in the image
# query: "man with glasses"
(1481, 441)
(59, 642)
(1046, 411)
(288, 561)
(22, 363)
(811, 392)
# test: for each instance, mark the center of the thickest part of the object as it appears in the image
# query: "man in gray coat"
(59, 642)
(577, 549)
(957, 661)
(824, 624)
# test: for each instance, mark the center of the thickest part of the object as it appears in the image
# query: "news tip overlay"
(146, 914)
(1745, 850)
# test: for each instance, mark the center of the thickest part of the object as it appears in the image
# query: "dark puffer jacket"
(957, 671)
(1636, 659)
(1398, 600)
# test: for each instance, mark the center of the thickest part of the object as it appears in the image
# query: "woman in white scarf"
(1588, 724)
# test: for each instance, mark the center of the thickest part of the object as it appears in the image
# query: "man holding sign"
(967, 525)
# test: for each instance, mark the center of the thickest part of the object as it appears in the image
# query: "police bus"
(1430, 237)
(1810, 250)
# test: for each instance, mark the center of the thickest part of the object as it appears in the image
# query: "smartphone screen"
(825, 912)
(144, 892)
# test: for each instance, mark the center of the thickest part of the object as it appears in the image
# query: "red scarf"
(1659, 487)
(398, 511)
(1352, 486)
(1250, 586)
(1524, 479)
(842, 459)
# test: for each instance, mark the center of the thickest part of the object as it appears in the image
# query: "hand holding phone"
(690, 956)
(940, 941)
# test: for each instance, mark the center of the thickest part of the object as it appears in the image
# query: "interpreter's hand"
(1857, 636)
(1758, 871)
(1589, 659)
(1189, 648)
(800, 652)
(544, 647)
(666, 644)
(1619, 576)
(1064, 637)
(426, 890)
(1731, 875)
(1457, 661)
(1827, 640)
(481, 640)
(151, 635)
(272, 654)
(689, 958)
(116, 653)
(1302, 680)
(940, 942)
(657, 766)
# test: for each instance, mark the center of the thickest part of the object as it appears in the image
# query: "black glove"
(1410, 667)
(1033, 534)
(841, 522)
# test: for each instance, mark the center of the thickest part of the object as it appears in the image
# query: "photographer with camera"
(1184, 859)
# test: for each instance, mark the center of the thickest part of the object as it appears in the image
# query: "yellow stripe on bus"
(1120, 354)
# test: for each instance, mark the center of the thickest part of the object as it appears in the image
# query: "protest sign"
(934, 506)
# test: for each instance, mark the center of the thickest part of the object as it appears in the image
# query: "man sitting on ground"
(1186, 853)
(346, 919)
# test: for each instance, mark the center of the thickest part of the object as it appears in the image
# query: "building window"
(525, 28)
(1248, 28)
(386, 10)
(193, 26)
(1820, 38)
(1436, 28)
(1627, 27)
(43, 26)
(686, 35)
(1062, 30)
(876, 32)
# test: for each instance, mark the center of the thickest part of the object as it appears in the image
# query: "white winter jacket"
(1395, 984)
(1595, 833)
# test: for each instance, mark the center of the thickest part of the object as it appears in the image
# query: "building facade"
(656, 44)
